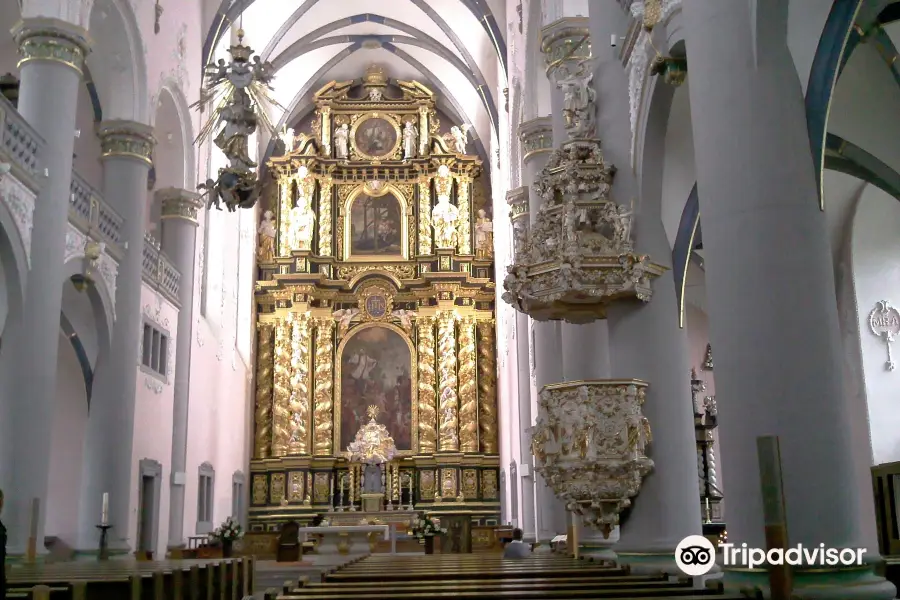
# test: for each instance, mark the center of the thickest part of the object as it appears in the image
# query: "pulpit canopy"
(373, 444)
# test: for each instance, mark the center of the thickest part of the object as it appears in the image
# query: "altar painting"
(375, 137)
(375, 370)
(376, 228)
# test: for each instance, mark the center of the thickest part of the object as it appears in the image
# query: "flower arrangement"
(426, 528)
(228, 531)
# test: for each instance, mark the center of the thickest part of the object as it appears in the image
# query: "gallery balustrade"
(93, 217)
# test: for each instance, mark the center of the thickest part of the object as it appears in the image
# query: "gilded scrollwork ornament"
(300, 399)
(487, 387)
(590, 442)
(281, 394)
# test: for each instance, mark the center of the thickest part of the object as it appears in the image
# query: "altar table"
(358, 537)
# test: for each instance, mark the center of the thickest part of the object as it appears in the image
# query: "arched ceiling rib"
(439, 44)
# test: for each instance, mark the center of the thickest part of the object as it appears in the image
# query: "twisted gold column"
(326, 191)
(448, 402)
(323, 382)
(281, 396)
(300, 397)
(427, 386)
(265, 359)
(425, 217)
(487, 387)
(464, 223)
(468, 397)
(285, 227)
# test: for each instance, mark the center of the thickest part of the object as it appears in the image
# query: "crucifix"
(158, 11)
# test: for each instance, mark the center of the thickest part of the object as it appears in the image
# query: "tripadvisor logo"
(695, 555)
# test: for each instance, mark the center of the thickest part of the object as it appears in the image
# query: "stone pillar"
(518, 200)
(648, 342)
(178, 214)
(53, 55)
(537, 142)
(778, 362)
(126, 147)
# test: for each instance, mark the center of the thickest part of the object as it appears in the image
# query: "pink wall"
(153, 420)
(66, 445)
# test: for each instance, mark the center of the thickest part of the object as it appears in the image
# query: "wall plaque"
(884, 321)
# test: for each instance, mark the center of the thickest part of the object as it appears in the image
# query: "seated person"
(317, 520)
(517, 548)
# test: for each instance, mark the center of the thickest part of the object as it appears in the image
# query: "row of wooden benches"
(482, 577)
(226, 579)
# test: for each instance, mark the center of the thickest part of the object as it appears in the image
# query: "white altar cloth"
(358, 537)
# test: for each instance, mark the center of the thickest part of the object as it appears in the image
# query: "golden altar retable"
(376, 286)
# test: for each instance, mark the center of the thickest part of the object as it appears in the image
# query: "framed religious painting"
(376, 224)
(375, 137)
(377, 369)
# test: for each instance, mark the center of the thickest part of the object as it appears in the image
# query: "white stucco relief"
(106, 265)
(20, 202)
(639, 63)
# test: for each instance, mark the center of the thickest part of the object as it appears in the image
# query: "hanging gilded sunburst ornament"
(239, 91)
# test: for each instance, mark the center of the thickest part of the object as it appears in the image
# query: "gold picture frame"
(414, 385)
(346, 216)
(365, 154)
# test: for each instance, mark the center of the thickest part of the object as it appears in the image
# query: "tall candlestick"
(104, 515)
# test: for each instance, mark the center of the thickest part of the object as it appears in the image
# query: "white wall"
(66, 445)
(218, 423)
(153, 420)
(876, 276)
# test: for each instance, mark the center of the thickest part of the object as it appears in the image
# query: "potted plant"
(424, 529)
(226, 534)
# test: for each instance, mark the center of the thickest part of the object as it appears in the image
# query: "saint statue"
(579, 97)
(409, 141)
(302, 218)
(342, 141)
(484, 235)
(265, 252)
(239, 123)
(443, 218)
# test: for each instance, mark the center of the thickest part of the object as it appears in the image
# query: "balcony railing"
(20, 142)
(159, 271)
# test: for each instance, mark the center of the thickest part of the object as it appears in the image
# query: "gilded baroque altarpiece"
(376, 287)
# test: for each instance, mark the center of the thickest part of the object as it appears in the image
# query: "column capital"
(566, 40)
(536, 136)
(178, 204)
(126, 139)
(518, 202)
(53, 40)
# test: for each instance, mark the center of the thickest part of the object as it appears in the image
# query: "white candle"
(104, 516)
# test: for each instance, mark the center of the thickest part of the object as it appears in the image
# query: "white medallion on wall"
(884, 322)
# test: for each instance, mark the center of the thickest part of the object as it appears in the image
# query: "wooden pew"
(480, 577)
(229, 579)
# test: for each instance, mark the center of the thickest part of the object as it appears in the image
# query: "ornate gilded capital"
(536, 136)
(178, 204)
(565, 40)
(126, 139)
(52, 40)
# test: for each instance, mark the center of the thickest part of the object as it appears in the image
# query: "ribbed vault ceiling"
(453, 46)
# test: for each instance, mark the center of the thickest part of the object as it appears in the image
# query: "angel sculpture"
(343, 317)
(240, 93)
(287, 137)
(405, 317)
(210, 191)
(460, 137)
